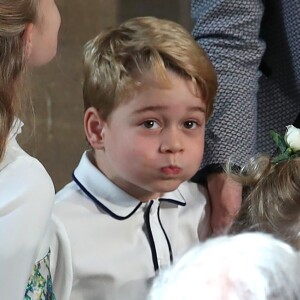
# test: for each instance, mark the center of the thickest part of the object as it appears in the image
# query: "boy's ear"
(94, 128)
(27, 39)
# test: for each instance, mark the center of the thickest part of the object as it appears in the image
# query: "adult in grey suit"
(254, 46)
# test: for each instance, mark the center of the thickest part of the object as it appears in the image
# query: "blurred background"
(56, 137)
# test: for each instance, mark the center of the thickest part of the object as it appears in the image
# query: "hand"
(226, 198)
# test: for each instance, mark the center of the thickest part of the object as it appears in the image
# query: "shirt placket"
(159, 237)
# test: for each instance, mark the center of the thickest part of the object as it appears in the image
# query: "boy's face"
(154, 142)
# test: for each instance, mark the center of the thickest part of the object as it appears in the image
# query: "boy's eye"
(190, 124)
(150, 124)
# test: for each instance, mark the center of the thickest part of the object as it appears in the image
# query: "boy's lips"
(171, 170)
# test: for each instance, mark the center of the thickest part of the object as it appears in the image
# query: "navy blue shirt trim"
(102, 206)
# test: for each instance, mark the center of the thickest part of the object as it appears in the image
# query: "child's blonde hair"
(273, 201)
(247, 266)
(118, 59)
(14, 15)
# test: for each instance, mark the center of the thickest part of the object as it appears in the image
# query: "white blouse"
(109, 245)
(26, 202)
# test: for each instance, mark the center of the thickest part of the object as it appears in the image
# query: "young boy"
(130, 211)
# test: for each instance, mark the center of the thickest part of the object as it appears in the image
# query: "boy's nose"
(171, 141)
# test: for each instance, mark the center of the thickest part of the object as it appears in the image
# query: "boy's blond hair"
(273, 201)
(120, 59)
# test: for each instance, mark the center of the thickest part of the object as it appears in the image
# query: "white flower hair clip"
(289, 145)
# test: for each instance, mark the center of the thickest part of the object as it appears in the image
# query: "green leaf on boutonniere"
(280, 142)
(281, 157)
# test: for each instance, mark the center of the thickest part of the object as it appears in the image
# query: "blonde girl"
(272, 202)
(28, 38)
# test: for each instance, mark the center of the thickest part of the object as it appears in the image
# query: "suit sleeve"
(229, 33)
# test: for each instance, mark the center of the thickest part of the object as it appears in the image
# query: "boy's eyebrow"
(160, 107)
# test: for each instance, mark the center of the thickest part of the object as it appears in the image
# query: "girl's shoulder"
(18, 163)
(23, 177)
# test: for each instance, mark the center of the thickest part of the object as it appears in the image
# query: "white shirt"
(26, 201)
(109, 245)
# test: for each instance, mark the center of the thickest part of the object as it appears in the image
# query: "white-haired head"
(247, 266)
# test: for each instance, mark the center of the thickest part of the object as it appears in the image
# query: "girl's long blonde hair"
(14, 16)
(272, 203)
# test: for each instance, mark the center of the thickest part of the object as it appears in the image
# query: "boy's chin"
(169, 187)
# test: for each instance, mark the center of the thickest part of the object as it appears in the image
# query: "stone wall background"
(56, 136)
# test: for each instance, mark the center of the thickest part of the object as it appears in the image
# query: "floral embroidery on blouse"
(40, 282)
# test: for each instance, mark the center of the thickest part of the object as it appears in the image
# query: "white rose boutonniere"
(289, 145)
(292, 137)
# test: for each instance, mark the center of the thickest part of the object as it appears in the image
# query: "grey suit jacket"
(255, 47)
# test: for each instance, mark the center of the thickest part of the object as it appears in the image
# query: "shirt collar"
(15, 129)
(107, 195)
